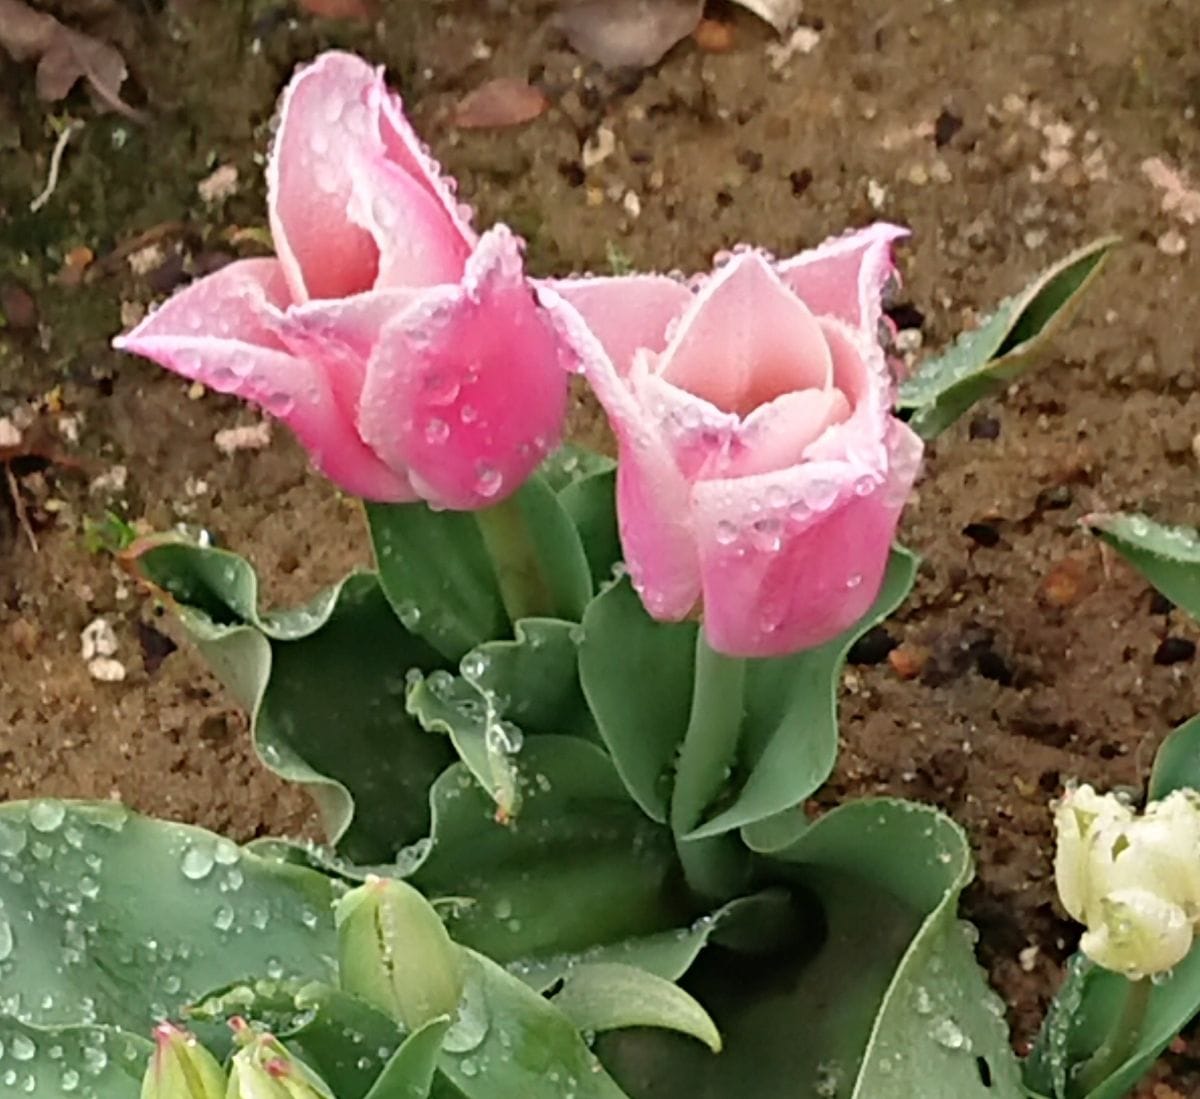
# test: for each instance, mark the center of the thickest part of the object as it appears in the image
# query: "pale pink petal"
(861, 372)
(697, 433)
(790, 560)
(844, 277)
(626, 313)
(467, 390)
(746, 339)
(406, 150)
(324, 130)
(777, 434)
(653, 505)
(291, 389)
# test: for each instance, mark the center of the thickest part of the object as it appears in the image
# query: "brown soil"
(1035, 650)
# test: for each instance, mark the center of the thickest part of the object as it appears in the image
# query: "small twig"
(60, 147)
(14, 490)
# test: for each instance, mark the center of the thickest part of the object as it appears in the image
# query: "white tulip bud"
(1133, 881)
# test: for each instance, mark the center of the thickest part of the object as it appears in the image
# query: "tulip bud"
(1134, 881)
(181, 1068)
(264, 1069)
(394, 952)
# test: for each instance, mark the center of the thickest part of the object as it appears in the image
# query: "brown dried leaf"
(64, 56)
(504, 101)
(628, 33)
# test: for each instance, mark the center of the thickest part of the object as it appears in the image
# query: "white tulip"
(1133, 881)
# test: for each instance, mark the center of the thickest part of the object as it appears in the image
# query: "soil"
(1004, 134)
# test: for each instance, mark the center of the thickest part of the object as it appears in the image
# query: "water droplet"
(223, 919)
(47, 815)
(437, 431)
(23, 1048)
(7, 940)
(197, 862)
(12, 839)
(471, 1026)
(853, 580)
(947, 1033)
(468, 414)
(226, 852)
(69, 1080)
(726, 533)
(489, 481)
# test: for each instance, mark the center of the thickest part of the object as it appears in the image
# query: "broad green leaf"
(1091, 998)
(108, 917)
(571, 464)
(591, 504)
(435, 570)
(410, 1072)
(637, 677)
(325, 685)
(1169, 557)
(987, 359)
(609, 996)
(444, 582)
(789, 738)
(579, 867)
(881, 999)
(510, 1041)
(97, 1061)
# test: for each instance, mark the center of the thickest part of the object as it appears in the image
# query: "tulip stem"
(506, 536)
(1119, 1042)
(715, 867)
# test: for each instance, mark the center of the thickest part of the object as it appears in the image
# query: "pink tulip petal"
(844, 277)
(792, 559)
(746, 339)
(653, 497)
(406, 150)
(697, 433)
(223, 331)
(468, 388)
(776, 435)
(324, 130)
(626, 313)
(340, 334)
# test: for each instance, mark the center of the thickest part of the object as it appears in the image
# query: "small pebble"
(97, 639)
(106, 669)
(10, 434)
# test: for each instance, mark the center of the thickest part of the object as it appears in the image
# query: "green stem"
(714, 867)
(506, 536)
(1119, 1042)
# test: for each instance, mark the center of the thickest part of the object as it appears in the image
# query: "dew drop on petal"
(489, 481)
(437, 431)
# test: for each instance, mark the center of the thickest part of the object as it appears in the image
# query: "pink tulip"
(761, 472)
(409, 355)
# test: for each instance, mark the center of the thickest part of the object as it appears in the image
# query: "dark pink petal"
(222, 331)
(626, 313)
(844, 277)
(653, 505)
(467, 389)
(792, 559)
(745, 340)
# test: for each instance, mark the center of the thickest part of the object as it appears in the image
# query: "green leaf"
(637, 677)
(1169, 557)
(610, 996)
(789, 736)
(591, 504)
(510, 1041)
(325, 685)
(571, 464)
(987, 359)
(410, 1072)
(108, 917)
(436, 573)
(1091, 998)
(580, 866)
(881, 999)
(98, 1061)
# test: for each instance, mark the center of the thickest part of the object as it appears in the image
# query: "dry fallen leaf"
(63, 56)
(337, 9)
(628, 33)
(504, 101)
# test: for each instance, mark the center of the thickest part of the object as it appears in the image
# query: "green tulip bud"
(181, 1068)
(394, 952)
(264, 1069)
